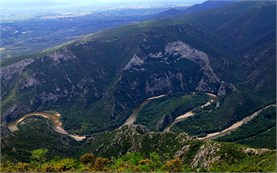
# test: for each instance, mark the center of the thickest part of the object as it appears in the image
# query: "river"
(213, 98)
(55, 119)
(234, 126)
(133, 117)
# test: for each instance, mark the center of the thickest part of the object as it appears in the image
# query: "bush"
(87, 158)
(174, 165)
(100, 163)
(39, 155)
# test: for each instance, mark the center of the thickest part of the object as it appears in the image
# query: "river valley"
(55, 119)
(234, 126)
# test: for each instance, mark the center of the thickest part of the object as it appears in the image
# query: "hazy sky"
(25, 9)
(22, 3)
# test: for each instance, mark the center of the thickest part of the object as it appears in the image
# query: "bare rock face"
(183, 151)
(206, 155)
(178, 48)
(141, 129)
(225, 88)
(12, 70)
(164, 122)
(62, 55)
(209, 78)
(252, 151)
(176, 67)
(135, 61)
(158, 83)
(32, 81)
(156, 55)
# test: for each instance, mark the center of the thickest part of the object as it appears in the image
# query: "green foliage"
(253, 132)
(265, 139)
(173, 105)
(128, 162)
(232, 158)
(36, 133)
(136, 162)
(233, 108)
(155, 161)
(231, 153)
(262, 163)
(65, 164)
(39, 155)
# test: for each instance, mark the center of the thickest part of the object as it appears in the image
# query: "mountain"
(169, 13)
(207, 5)
(215, 67)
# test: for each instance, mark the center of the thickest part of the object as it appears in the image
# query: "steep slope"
(248, 29)
(97, 82)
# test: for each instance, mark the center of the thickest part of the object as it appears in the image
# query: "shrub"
(100, 163)
(87, 158)
(174, 165)
(39, 155)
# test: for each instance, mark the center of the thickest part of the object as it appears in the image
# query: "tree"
(155, 161)
(39, 155)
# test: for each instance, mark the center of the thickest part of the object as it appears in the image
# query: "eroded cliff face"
(17, 68)
(177, 67)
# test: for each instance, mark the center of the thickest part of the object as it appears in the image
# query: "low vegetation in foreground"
(137, 162)
(134, 149)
